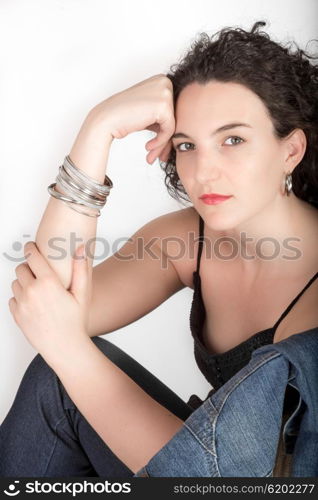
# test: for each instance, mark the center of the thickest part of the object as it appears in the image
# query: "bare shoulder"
(176, 233)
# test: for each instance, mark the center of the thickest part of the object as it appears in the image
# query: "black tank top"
(218, 368)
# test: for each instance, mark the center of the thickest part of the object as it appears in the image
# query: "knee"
(39, 366)
(110, 350)
(38, 372)
(117, 356)
(102, 343)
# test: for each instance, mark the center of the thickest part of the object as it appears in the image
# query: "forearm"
(89, 153)
(126, 418)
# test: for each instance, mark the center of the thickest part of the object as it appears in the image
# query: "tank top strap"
(293, 302)
(201, 240)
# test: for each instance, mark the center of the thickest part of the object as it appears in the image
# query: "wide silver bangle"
(87, 181)
(78, 193)
(70, 201)
(80, 190)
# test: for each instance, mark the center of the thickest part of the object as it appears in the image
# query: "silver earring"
(288, 183)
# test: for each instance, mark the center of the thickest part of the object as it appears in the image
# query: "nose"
(206, 170)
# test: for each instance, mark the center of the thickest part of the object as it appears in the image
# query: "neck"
(271, 238)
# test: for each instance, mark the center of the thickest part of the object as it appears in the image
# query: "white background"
(57, 60)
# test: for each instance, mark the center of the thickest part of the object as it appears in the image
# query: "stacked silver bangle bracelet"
(82, 190)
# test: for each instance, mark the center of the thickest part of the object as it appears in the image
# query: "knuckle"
(19, 268)
(166, 108)
(30, 292)
(13, 310)
(167, 83)
(163, 82)
(163, 77)
(39, 287)
(46, 281)
(159, 76)
(167, 95)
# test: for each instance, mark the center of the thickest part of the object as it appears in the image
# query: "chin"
(220, 222)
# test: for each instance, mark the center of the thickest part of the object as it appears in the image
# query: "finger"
(24, 274)
(161, 152)
(155, 127)
(153, 155)
(160, 140)
(37, 263)
(17, 290)
(167, 128)
(165, 153)
(12, 305)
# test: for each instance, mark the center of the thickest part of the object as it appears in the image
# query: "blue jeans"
(245, 428)
(236, 432)
(45, 435)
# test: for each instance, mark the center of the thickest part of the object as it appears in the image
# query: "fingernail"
(82, 252)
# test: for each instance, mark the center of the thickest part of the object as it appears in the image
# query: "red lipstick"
(214, 198)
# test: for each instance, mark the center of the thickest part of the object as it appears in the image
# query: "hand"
(52, 318)
(147, 105)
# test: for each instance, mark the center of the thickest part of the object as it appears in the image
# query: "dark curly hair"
(283, 77)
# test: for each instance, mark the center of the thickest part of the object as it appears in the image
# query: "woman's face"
(245, 161)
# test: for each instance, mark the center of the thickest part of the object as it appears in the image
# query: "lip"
(214, 198)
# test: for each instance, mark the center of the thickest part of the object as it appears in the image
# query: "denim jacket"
(235, 432)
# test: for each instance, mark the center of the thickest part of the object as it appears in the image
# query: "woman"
(236, 134)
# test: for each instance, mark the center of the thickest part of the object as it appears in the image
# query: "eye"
(236, 138)
(177, 147)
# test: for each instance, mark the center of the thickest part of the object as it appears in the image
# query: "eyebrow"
(220, 129)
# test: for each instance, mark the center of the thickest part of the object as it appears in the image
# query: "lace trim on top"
(219, 367)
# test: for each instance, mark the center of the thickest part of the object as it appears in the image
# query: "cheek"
(263, 169)
(260, 188)
(256, 184)
(184, 172)
(267, 166)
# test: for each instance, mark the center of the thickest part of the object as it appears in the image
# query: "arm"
(83, 370)
(139, 277)
(90, 154)
(127, 419)
(146, 105)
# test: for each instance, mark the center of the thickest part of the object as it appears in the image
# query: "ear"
(295, 148)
